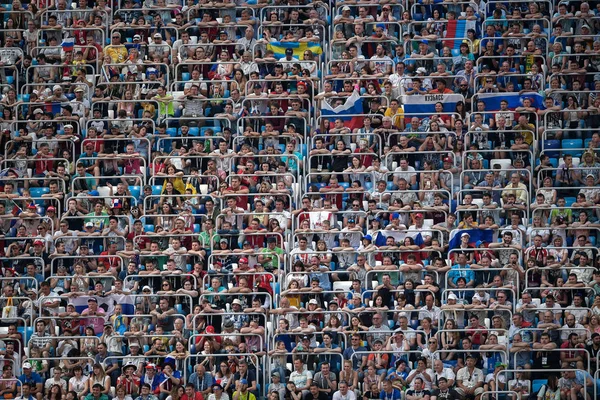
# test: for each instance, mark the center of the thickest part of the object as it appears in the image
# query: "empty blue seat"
(156, 189)
(172, 132)
(554, 162)
(572, 147)
(554, 146)
(148, 228)
(569, 201)
(135, 192)
(38, 191)
(194, 131)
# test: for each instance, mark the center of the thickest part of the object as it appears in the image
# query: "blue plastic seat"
(569, 201)
(194, 131)
(172, 132)
(553, 146)
(148, 228)
(572, 147)
(156, 189)
(536, 385)
(135, 192)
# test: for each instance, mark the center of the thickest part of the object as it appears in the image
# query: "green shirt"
(274, 263)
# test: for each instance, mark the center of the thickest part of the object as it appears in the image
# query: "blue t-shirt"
(395, 395)
(33, 379)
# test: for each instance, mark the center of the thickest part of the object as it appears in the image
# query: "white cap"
(452, 296)
(465, 234)
(236, 301)
(421, 70)
(56, 87)
(38, 111)
(313, 301)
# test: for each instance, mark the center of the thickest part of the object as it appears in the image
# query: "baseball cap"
(236, 301)
(150, 366)
(68, 126)
(89, 225)
(244, 260)
(419, 215)
(275, 373)
(26, 365)
(146, 288)
(137, 37)
(447, 159)
(223, 241)
(56, 87)
(134, 344)
(305, 337)
(38, 111)
(157, 35)
(38, 243)
(452, 296)
(478, 243)
(93, 300)
(79, 89)
(243, 381)
(395, 216)
(367, 237)
(289, 51)
(465, 234)
(345, 8)
(313, 301)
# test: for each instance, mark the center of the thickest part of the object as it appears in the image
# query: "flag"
(317, 218)
(492, 100)
(425, 104)
(68, 44)
(475, 235)
(398, 236)
(351, 112)
(455, 29)
(279, 48)
(107, 303)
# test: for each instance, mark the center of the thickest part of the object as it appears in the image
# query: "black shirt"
(449, 394)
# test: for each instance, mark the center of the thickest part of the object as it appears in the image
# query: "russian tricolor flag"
(456, 28)
(68, 44)
(350, 112)
(492, 100)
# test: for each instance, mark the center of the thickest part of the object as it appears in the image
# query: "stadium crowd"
(303, 200)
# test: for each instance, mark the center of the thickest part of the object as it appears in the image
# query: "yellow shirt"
(397, 118)
(118, 54)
